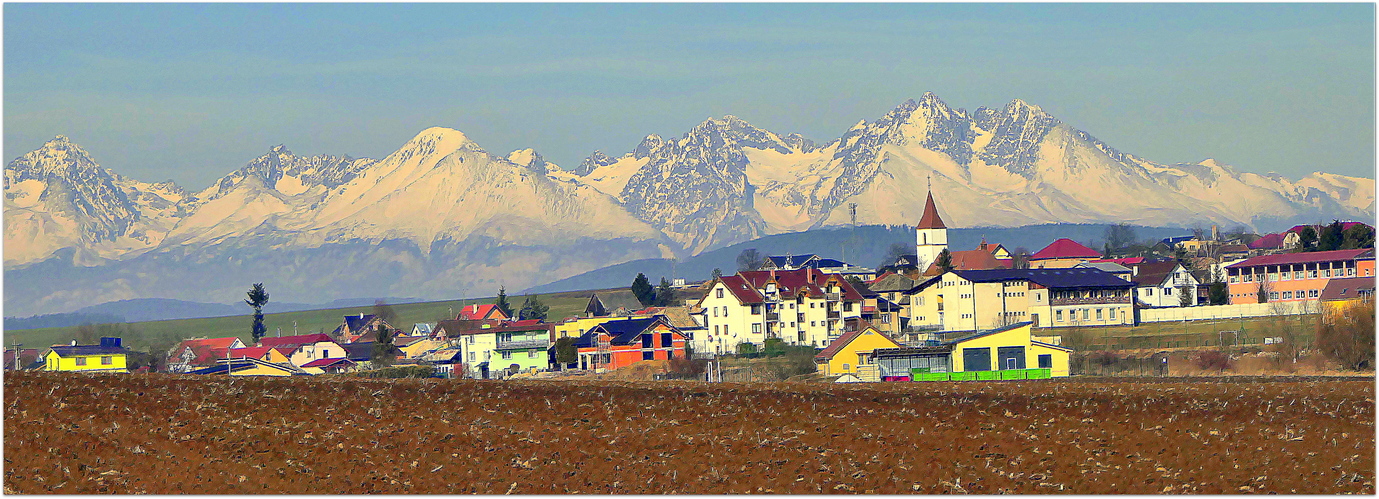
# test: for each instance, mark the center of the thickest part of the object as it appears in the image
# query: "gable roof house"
(359, 327)
(1159, 284)
(305, 347)
(200, 352)
(616, 344)
(1062, 253)
(612, 303)
(851, 352)
(481, 312)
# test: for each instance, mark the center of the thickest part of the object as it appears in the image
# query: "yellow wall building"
(108, 356)
(852, 349)
(1008, 348)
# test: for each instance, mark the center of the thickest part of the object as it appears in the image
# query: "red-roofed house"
(266, 354)
(334, 365)
(1295, 276)
(202, 352)
(482, 312)
(1061, 254)
(1267, 242)
(305, 347)
(803, 307)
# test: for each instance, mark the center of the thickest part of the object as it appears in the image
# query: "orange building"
(621, 343)
(1295, 276)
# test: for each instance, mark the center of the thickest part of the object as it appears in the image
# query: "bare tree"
(1346, 335)
(1262, 288)
(1020, 257)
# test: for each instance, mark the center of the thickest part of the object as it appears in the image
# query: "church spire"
(930, 219)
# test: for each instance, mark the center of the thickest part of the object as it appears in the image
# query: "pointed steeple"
(930, 219)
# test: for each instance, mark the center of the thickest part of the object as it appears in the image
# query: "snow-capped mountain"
(441, 217)
(438, 217)
(1011, 166)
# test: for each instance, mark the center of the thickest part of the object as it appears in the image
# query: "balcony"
(834, 314)
(833, 296)
(523, 344)
(772, 316)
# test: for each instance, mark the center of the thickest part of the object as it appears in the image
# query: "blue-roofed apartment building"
(974, 300)
(621, 343)
(813, 261)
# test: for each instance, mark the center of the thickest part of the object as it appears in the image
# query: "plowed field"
(178, 434)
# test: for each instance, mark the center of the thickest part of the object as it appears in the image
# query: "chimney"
(361, 316)
(74, 342)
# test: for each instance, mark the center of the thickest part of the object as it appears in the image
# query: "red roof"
(1269, 241)
(976, 259)
(524, 322)
(1134, 260)
(1065, 248)
(809, 280)
(739, 287)
(294, 341)
(1312, 257)
(327, 362)
(1318, 228)
(251, 352)
(476, 312)
(930, 219)
(207, 354)
(1347, 288)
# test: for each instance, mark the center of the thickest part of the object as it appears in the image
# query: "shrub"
(1213, 360)
(747, 349)
(1347, 336)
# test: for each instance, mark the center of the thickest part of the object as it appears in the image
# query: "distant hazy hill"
(161, 309)
(866, 247)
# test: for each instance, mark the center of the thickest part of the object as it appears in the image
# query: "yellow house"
(1008, 348)
(417, 348)
(853, 348)
(1004, 353)
(108, 356)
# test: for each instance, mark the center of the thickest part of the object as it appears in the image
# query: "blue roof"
(1176, 240)
(69, 351)
(792, 261)
(355, 322)
(1051, 278)
(624, 332)
(988, 332)
(827, 263)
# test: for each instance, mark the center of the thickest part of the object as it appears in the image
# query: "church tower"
(931, 236)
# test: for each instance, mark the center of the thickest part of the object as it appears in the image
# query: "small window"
(1098, 315)
(648, 355)
(1058, 316)
(756, 328)
(507, 355)
(531, 354)
(720, 292)
(81, 361)
(107, 360)
(847, 367)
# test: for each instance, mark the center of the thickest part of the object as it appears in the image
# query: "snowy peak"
(281, 170)
(530, 159)
(648, 146)
(593, 162)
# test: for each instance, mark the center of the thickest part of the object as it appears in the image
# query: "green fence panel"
(986, 375)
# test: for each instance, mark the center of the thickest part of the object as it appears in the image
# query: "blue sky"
(192, 92)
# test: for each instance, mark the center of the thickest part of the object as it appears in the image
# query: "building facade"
(1294, 276)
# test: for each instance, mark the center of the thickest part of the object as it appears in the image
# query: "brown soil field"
(169, 434)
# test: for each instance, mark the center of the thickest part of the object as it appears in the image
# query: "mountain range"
(441, 217)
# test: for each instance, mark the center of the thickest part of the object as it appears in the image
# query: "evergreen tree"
(383, 349)
(641, 288)
(1358, 236)
(665, 296)
(944, 260)
(717, 272)
(258, 297)
(532, 308)
(1307, 238)
(502, 301)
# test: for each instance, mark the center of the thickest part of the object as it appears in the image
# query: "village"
(938, 314)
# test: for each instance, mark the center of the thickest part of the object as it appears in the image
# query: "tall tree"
(565, 351)
(893, 254)
(532, 308)
(258, 297)
(1262, 288)
(1307, 238)
(1218, 293)
(502, 301)
(385, 312)
(1020, 257)
(641, 288)
(717, 272)
(1358, 236)
(1120, 235)
(1331, 237)
(944, 260)
(749, 259)
(665, 295)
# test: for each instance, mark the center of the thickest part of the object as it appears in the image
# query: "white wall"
(1229, 311)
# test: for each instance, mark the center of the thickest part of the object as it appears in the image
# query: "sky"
(192, 92)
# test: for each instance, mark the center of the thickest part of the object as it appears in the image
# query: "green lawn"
(165, 334)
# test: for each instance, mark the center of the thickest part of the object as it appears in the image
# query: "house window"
(1046, 361)
(1273, 295)
(1168, 291)
(1086, 314)
(1098, 314)
(81, 361)
(648, 354)
(471, 356)
(715, 311)
(1287, 295)
(469, 339)
(885, 318)
(670, 354)
(715, 329)
(507, 355)
(847, 306)
(725, 310)
(813, 323)
(756, 328)
(667, 339)
(1149, 291)
(1058, 315)
(1326, 273)
(1313, 293)
(531, 354)
(847, 367)
(646, 341)
(719, 293)
(107, 360)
